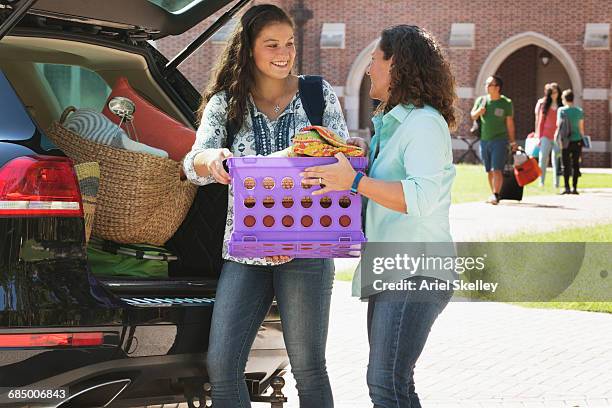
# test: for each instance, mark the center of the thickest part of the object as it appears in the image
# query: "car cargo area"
(50, 74)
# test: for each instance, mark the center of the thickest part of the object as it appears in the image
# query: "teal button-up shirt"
(414, 147)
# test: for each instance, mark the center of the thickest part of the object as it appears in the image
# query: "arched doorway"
(356, 100)
(518, 61)
(524, 76)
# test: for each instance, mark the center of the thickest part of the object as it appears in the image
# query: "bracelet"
(356, 180)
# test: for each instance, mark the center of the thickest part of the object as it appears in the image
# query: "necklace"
(277, 108)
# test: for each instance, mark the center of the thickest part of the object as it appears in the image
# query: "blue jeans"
(399, 323)
(548, 148)
(244, 294)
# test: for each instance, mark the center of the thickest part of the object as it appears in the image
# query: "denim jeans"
(494, 154)
(399, 323)
(244, 294)
(548, 148)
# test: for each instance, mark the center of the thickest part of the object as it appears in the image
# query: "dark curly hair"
(420, 73)
(235, 70)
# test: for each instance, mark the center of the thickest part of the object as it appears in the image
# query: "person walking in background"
(546, 127)
(572, 145)
(538, 106)
(497, 128)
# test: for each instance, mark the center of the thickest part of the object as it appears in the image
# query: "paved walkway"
(480, 221)
(483, 355)
(491, 354)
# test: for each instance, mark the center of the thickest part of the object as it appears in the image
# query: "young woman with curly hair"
(409, 194)
(254, 95)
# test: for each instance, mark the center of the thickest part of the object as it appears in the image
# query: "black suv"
(67, 337)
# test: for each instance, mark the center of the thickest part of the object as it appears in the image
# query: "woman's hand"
(334, 177)
(359, 142)
(212, 162)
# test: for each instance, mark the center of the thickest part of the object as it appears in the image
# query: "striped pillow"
(98, 128)
(95, 127)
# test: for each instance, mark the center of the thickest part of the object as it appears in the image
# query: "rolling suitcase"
(510, 189)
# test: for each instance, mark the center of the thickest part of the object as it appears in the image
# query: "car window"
(174, 5)
(75, 86)
(15, 123)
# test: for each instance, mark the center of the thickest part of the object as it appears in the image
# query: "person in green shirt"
(496, 115)
(571, 153)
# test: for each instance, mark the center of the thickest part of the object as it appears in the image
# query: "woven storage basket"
(88, 175)
(141, 197)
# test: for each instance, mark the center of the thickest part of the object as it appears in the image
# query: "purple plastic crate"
(275, 215)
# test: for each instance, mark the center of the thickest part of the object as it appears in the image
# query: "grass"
(529, 271)
(471, 184)
(593, 278)
(597, 233)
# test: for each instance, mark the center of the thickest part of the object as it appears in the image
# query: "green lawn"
(588, 283)
(471, 184)
(597, 233)
(589, 280)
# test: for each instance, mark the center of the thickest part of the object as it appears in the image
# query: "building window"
(333, 35)
(597, 36)
(462, 35)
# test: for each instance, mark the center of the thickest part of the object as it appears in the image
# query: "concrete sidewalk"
(482, 355)
(482, 221)
(491, 354)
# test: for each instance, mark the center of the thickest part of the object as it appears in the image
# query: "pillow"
(154, 127)
(98, 128)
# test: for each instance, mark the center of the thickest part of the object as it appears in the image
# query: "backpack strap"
(231, 132)
(313, 101)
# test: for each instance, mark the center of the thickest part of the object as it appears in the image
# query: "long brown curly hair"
(235, 70)
(420, 74)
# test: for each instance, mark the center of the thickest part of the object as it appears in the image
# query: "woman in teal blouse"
(408, 189)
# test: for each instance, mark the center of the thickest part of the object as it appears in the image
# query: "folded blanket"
(318, 141)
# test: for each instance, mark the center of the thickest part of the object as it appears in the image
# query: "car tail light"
(51, 340)
(39, 186)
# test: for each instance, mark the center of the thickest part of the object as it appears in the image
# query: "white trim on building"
(516, 42)
(353, 85)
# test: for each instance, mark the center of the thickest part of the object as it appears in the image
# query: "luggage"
(532, 145)
(510, 189)
(109, 259)
(526, 171)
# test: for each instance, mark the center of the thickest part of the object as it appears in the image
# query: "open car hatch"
(158, 18)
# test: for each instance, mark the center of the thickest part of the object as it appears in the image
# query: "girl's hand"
(213, 162)
(359, 142)
(332, 177)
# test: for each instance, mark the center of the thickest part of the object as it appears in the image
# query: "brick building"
(528, 43)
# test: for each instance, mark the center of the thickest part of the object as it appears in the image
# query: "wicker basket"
(141, 197)
(88, 175)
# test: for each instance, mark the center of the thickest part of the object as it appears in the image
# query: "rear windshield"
(175, 6)
(15, 123)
